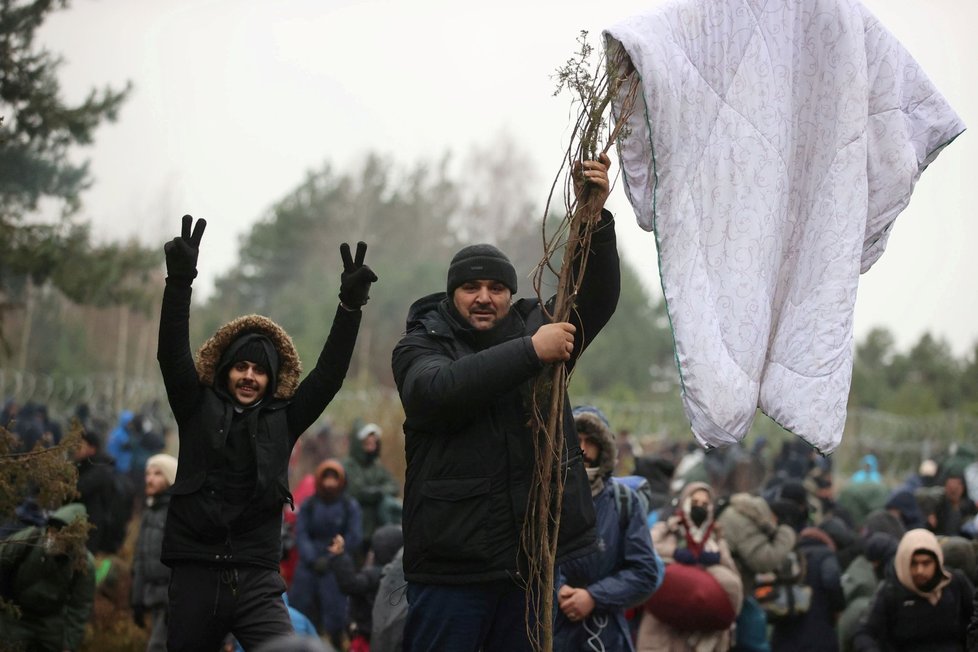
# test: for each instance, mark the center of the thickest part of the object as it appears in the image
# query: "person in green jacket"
(51, 581)
(369, 482)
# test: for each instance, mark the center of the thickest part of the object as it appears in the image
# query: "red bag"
(691, 600)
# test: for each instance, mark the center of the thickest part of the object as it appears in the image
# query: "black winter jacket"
(195, 527)
(96, 487)
(900, 619)
(469, 449)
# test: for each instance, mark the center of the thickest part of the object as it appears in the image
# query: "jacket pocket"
(454, 513)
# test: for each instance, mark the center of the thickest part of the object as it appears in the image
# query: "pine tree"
(38, 131)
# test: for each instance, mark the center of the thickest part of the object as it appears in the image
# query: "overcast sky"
(235, 100)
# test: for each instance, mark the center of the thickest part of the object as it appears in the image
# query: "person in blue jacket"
(594, 591)
(325, 514)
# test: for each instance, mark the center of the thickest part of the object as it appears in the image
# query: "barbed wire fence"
(900, 442)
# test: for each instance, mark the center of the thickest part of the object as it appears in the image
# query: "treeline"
(926, 379)
(414, 219)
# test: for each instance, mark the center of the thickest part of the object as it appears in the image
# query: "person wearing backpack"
(813, 629)
(681, 617)
(322, 516)
(50, 577)
(759, 544)
(594, 590)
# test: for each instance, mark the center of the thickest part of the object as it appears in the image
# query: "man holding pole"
(465, 369)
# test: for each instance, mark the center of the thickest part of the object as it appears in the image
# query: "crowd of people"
(344, 531)
(675, 550)
(819, 561)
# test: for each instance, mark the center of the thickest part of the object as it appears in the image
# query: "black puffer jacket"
(195, 528)
(469, 450)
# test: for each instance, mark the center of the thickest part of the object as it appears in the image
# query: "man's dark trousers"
(212, 601)
(489, 616)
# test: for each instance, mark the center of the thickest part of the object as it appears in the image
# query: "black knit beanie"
(481, 262)
(252, 351)
(257, 348)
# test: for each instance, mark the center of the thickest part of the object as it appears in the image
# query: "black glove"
(684, 556)
(138, 616)
(356, 277)
(181, 252)
(709, 558)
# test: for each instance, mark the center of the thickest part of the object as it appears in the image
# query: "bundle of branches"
(593, 87)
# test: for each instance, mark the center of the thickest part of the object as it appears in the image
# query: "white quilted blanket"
(777, 143)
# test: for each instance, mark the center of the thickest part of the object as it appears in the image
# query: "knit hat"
(257, 348)
(252, 350)
(927, 469)
(367, 430)
(167, 464)
(479, 262)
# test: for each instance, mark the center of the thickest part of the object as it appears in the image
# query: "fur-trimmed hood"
(591, 423)
(289, 369)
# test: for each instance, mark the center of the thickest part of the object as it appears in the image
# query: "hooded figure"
(903, 505)
(596, 589)
(859, 582)
(327, 513)
(367, 481)
(924, 607)
(233, 514)
(51, 581)
(868, 470)
(240, 408)
(691, 537)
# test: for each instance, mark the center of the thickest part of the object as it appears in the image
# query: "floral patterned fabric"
(776, 145)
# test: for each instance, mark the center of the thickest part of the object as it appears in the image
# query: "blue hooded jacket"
(622, 573)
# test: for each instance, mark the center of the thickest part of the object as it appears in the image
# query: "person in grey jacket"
(150, 577)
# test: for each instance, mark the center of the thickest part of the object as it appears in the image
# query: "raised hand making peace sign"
(181, 252)
(356, 277)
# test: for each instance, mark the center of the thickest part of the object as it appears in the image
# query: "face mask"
(698, 514)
